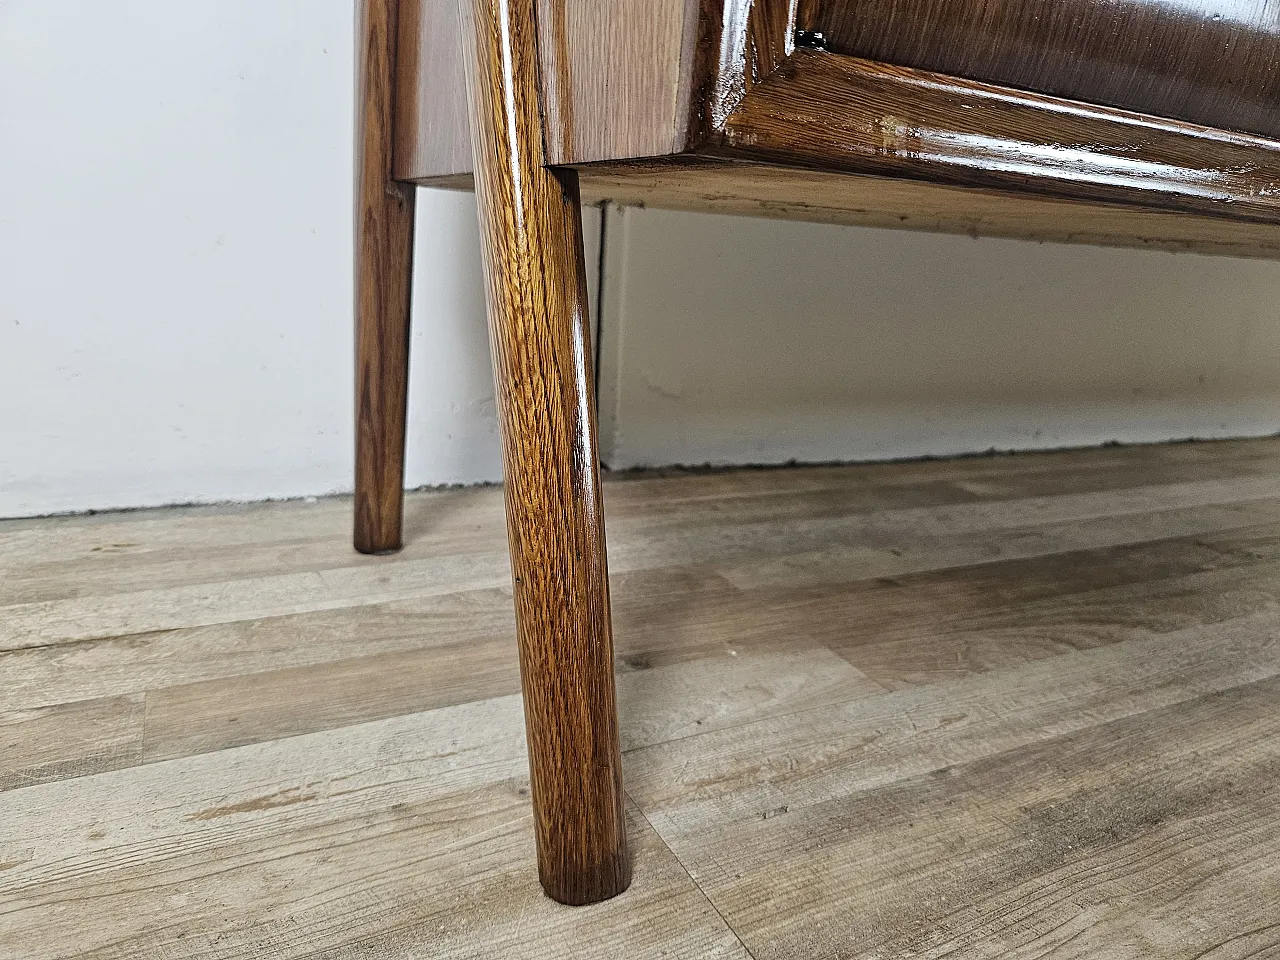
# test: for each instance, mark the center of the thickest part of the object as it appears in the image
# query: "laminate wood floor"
(1022, 707)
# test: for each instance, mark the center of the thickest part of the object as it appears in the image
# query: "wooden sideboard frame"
(750, 96)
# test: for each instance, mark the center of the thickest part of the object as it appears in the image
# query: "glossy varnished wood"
(725, 79)
(615, 82)
(719, 87)
(1215, 63)
(834, 112)
(383, 280)
(531, 229)
(766, 190)
(625, 79)
(621, 79)
(710, 185)
(739, 43)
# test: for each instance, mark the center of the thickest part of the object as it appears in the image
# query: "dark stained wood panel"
(785, 193)
(1215, 62)
(615, 77)
(627, 80)
(738, 44)
(384, 220)
(841, 113)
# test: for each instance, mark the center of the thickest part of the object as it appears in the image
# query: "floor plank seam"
(692, 879)
(772, 717)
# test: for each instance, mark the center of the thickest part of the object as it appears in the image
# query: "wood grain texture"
(614, 77)
(531, 230)
(626, 80)
(430, 121)
(739, 44)
(1104, 841)
(708, 185)
(383, 281)
(909, 163)
(833, 112)
(812, 549)
(999, 706)
(615, 83)
(805, 759)
(1212, 63)
(67, 740)
(765, 190)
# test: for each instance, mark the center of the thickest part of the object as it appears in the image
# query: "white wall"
(175, 246)
(733, 340)
(175, 262)
(175, 209)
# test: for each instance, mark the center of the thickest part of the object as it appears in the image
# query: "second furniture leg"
(531, 235)
(384, 271)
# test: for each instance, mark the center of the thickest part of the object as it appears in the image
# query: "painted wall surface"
(175, 262)
(733, 340)
(175, 296)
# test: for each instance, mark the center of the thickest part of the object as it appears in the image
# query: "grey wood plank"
(64, 557)
(654, 609)
(974, 620)
(893, 553)
(1076, 756)
(443, 520)
(1006, 474)
(404, 837)
(914, 630)
(703, 783)
(753, 496)
(867, 540)
(1151, 836)
(656, 704)
(70, 740)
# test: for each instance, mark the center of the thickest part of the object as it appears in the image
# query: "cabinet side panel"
(612, 77)
(615, 83)
(431, 132)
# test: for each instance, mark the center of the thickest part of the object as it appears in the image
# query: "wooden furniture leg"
(384, 273)
(531, 234)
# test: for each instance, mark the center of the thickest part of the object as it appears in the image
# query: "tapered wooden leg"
(384, 272)
(531, 233)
